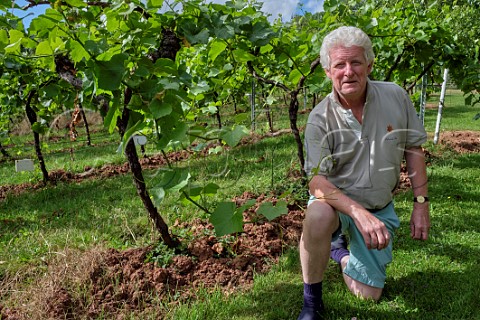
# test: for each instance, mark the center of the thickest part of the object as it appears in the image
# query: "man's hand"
(420, 221)
(374, 232)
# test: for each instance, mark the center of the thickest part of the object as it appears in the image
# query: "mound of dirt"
(121, 281)
(461, 141)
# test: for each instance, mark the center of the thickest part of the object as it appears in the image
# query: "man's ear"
(327, 72)
(370, 68)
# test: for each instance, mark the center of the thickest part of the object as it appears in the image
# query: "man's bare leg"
(321, 220)
(358, 288)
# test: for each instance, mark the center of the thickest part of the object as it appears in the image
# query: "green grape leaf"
(226, 219)
(233, 136)
(216, 47)
(261, 33)
(247, 205)
(294, 76)
(159, 108)
(270, 212)
(154, 3)
(173, 179)
(110, 121)
(211, 189)
(3, 38)
(201, 37)
(43, 48)
(77, 51)
(76, 3)
(157, 194)
(110, 73)
(242, 56)
(39, 128)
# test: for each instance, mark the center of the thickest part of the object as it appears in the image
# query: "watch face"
(420, 199)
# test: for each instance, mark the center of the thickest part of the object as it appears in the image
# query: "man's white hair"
(345, 37)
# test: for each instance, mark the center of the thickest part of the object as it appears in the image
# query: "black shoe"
(310, 314)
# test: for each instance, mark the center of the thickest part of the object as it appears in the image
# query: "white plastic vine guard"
(140, 140)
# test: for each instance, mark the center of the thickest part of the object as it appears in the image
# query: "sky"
(276, 8)
(286, 8)
(29, 14)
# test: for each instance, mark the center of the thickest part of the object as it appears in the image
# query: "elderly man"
(356, 139)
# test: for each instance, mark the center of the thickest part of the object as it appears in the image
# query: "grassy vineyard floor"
(432, 280)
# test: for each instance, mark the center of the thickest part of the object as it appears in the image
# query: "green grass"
(37, 224)
(437, 279)
(455, 114)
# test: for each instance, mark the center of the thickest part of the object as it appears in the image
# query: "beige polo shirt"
(363, 160)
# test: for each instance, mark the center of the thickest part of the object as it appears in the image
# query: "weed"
(161, 255)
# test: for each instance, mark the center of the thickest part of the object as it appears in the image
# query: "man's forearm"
(324, 190)
(374, 232)
(417, 171)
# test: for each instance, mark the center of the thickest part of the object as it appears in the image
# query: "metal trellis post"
(252, 104)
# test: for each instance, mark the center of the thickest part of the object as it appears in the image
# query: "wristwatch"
(420, 199)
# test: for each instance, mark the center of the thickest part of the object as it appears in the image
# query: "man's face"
(348, 71)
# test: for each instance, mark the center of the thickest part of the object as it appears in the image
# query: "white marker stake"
(440, 107)
(24, 165)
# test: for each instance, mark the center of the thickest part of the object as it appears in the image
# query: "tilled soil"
(461, 141)
(122, 280)
(208, 262)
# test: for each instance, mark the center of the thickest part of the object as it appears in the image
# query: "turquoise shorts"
(368, 265)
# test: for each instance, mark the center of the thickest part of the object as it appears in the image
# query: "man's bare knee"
(371, 293)
(321, 220)
(362, 290)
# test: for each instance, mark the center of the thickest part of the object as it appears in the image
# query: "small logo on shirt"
(390, 136)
